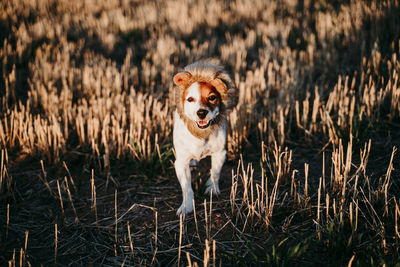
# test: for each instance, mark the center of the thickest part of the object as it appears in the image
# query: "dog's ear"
(220, 86)
(182, 78)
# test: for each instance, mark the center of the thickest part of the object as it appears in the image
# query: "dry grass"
(86, 118)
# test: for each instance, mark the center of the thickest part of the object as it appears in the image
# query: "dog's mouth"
(203, 124)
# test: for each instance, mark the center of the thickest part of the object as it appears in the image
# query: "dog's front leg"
(217, 160)
(183, 173)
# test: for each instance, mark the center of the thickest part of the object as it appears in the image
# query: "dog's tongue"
(202, 123)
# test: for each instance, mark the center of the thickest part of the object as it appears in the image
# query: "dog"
(204, 93)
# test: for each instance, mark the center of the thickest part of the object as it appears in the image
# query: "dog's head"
(205, 92)
(202, 101)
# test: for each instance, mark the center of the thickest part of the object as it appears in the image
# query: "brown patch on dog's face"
(220, 87)
(209, 96)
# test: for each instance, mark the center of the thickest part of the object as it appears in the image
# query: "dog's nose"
(202, 113)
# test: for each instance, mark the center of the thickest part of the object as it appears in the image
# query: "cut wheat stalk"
(206, 219)
(8, 220)
(25, 245)
(189, 260)
(71, 201)
(116, 220)
(206, 259)
(397, 214)
(60, 198)
(55, 244)
(195, 220)
(130, 239)
(306, 168)
(180, 238)
(93, 197)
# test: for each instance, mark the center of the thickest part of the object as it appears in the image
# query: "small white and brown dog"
(204, 94)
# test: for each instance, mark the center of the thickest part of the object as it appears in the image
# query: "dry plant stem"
(210, 220)
(214, 252)
(180, 238)
(386, 183)
(45, 178)
(55, 244)
(8, 219)
(2, 167)
(262, 190)
(92, 189)
(13, 261)
(271, 204)
(60, 198)
(206, 218)
(306, 167)
(70, 200)
(323, 172)
(123, 263)
(293, 187)
(195, 220)
(26, 244)
(93, 198)
(116, 220)
(154, 256)
(327, 207)
(21, 257)
(188, 259)
(206, 259)
(319, 200)
(233, 193)
(351, 213)
(156, 231)
(397, 214)
(70, 177)
(355, 191)
(130, 239)
(351, 260)
(345, 175)
(334, 208)
(356, 224)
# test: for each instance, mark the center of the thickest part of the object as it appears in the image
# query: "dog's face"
(201, 100)
(201, 103)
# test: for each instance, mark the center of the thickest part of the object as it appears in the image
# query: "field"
(86, 155)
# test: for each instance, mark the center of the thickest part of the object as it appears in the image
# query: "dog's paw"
(212, 188)
(187, 204)
(193, 165)
(185, 208)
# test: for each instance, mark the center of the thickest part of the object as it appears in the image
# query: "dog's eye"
(190, 99)
(212, 98)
